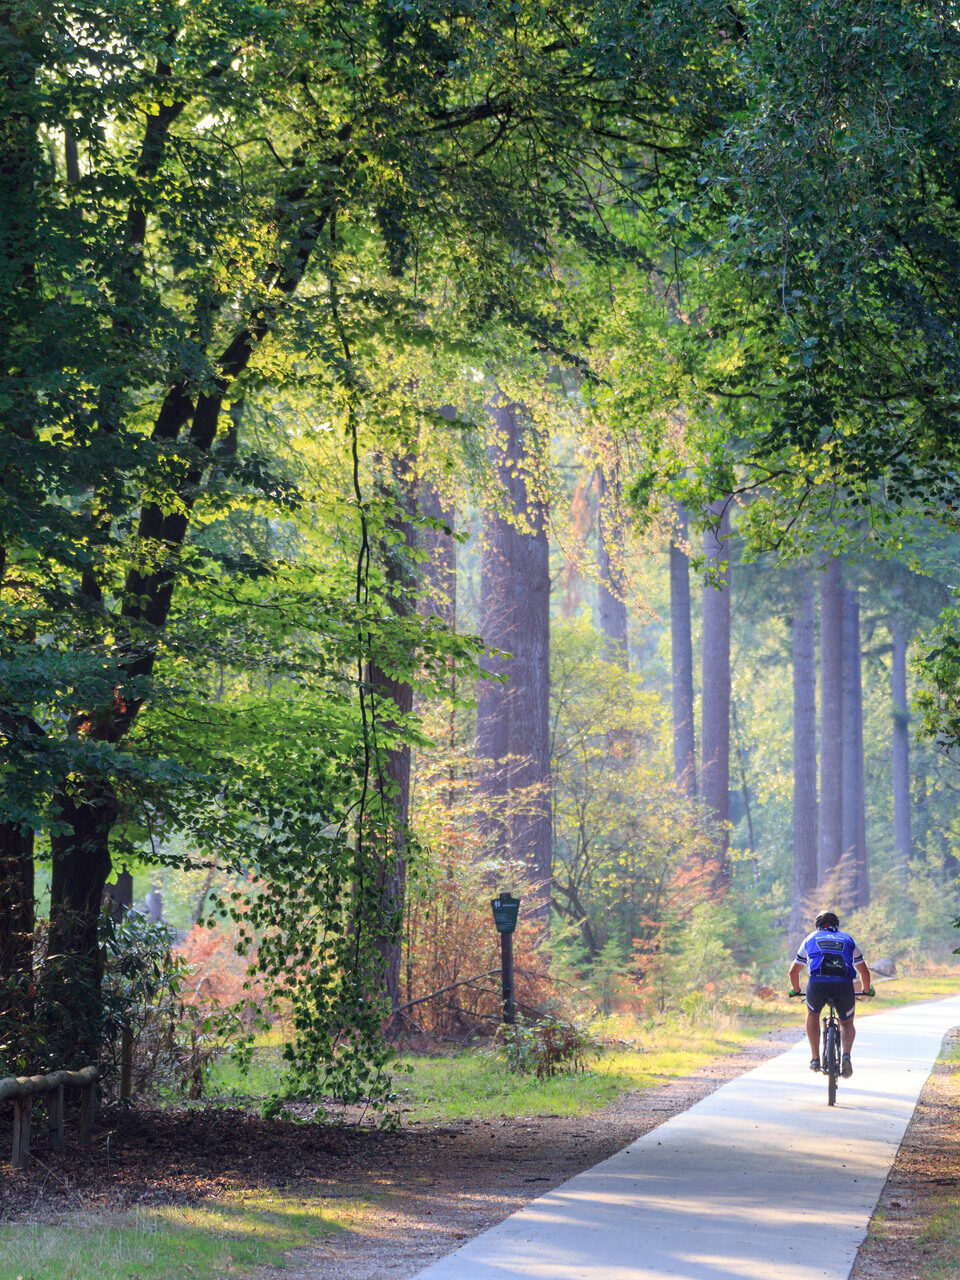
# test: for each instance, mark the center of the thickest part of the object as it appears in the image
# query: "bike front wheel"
(832, 1058)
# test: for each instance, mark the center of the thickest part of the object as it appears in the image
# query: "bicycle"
(830, 1050)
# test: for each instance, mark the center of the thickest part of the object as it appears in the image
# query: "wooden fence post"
(56, 1118)
(22, 1113)
(20, 1090)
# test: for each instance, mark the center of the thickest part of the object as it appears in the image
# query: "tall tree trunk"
(903, 848)
(20, 168)
(681, 655)
(437, 589)
(804, 755)
(85, 812)
(951, 864)
(920, 814)
(830, 843)
(612, 585)
(395, 701)
(16, 928)
(715, 728)
(492, 745)
(532, 827)
(437, 594)
(394, 787)
(513, 735)
(854, 824)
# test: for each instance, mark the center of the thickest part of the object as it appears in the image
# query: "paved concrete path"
(760, 1181)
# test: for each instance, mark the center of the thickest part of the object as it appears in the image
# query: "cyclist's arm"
(864, 973)
(795, 970)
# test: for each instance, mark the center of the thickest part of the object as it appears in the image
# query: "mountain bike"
(830, 1050)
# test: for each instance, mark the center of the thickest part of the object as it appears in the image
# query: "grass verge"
(637, 1055)
(181, 1242)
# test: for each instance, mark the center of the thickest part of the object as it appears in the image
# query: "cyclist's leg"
(817, 994)
(846, 1008)
(813, 1033)
(848, 1034)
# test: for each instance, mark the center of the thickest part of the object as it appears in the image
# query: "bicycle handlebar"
(861, 995)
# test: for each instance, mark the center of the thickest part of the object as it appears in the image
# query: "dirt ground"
(432, 1185)
(915, 1232)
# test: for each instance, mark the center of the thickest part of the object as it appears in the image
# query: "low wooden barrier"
(21, 1091)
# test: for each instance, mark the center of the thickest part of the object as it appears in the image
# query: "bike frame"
(830, 1051)
(830, 1043)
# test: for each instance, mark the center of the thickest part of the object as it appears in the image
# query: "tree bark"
(513, 732)
(681, 656)
(920, 808)
(830, 843)
(437, 588)
(855, 876)
(16, 925)
(85, 811)
(612, 584)
(492, 744)
(437, 594)
(20, 166)
(902, 843)
(715, 729)
(394, 699)
(804, 755)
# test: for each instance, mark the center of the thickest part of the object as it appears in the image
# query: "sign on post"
(505, 911)
(506, 908)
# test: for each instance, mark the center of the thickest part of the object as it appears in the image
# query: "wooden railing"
(21, 1091)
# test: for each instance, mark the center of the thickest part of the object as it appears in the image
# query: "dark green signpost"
(505, 910)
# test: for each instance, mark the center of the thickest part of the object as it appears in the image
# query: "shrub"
(154, 1014)
(545, 1048)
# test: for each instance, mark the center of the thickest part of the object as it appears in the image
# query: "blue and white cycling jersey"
(830, 955)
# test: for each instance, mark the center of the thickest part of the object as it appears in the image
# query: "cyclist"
(833, 959)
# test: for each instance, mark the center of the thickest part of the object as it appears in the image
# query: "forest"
(463, 446)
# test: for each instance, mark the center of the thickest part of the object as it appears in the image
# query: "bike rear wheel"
(832, 1059)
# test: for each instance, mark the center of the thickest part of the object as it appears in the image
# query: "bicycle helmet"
(828, 920)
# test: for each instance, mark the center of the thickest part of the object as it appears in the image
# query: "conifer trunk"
(513, 738)
(438, 575)
(804, 754)
(854, 827)
(492, 744)
(715, 729)
(612, 586)
(830, 843)
(902, 843)
(437, 594)
(395, 701)
(681, 657)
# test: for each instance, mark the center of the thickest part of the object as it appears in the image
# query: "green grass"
(944, 981)
(478, 1084)
(233, 1237)
(227, 1081)
(473, 1084)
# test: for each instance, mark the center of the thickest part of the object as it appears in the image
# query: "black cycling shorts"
(839, 990)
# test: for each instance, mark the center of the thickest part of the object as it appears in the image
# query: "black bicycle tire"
(833, 1063)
